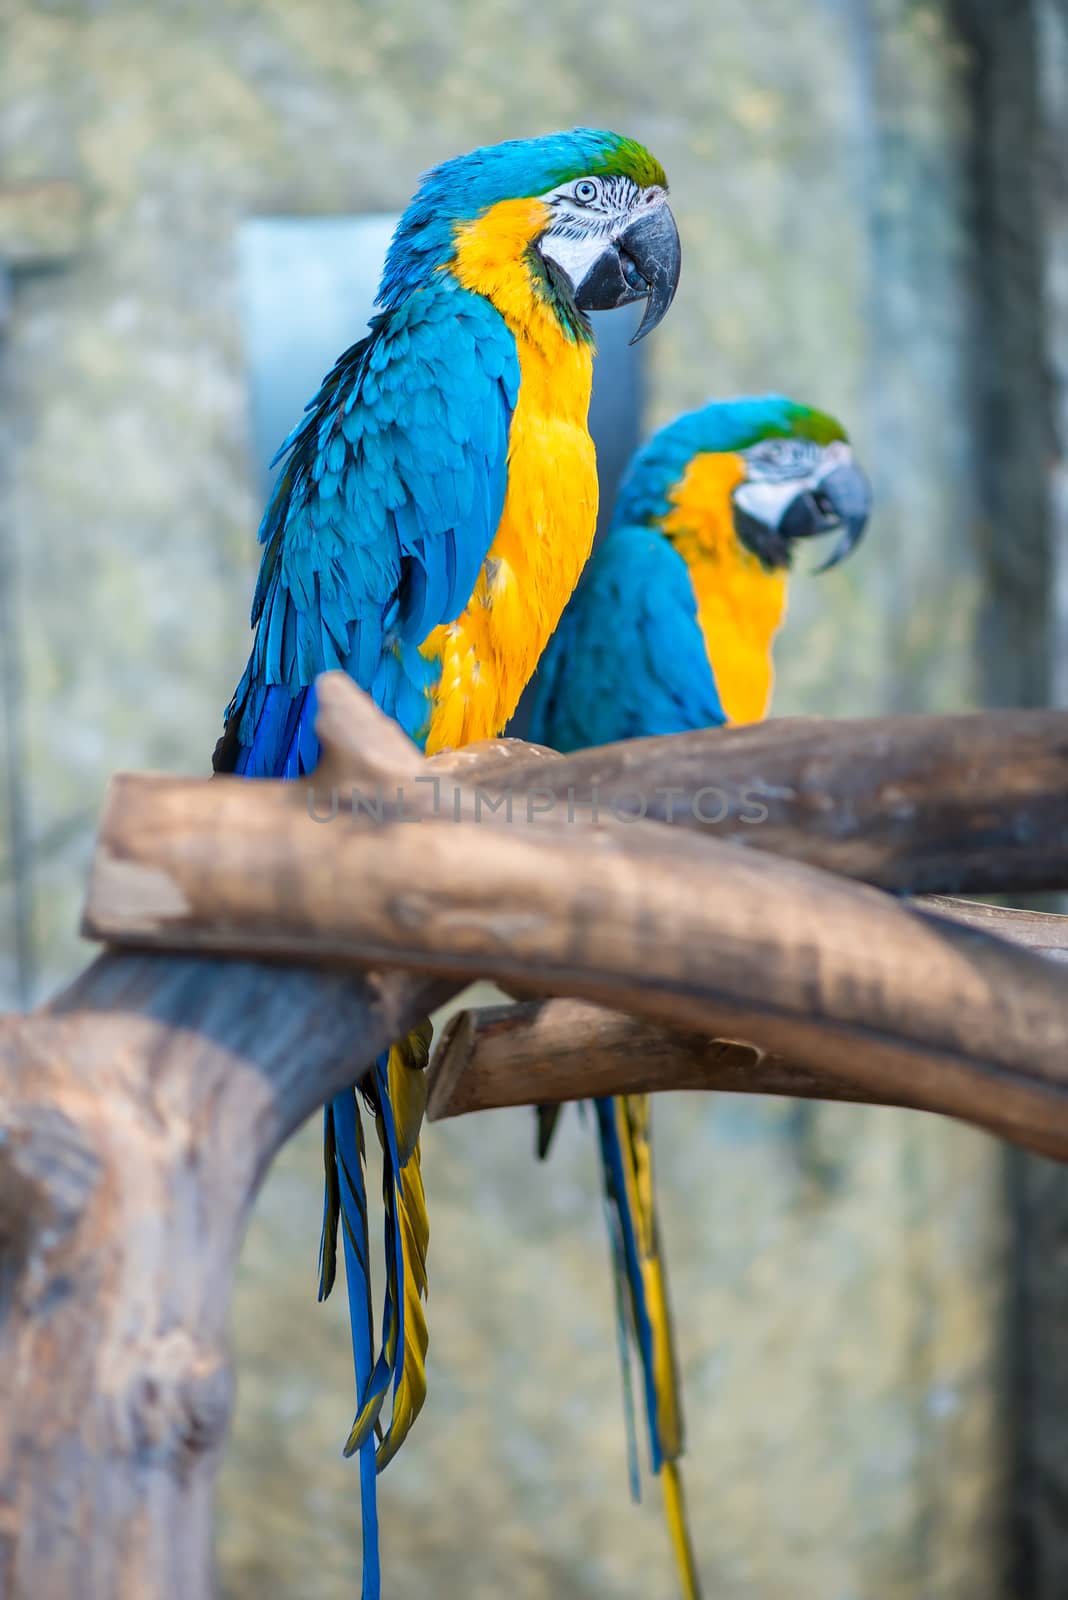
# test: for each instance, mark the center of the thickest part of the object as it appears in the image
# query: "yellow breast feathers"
(550, 509)
(740, 606)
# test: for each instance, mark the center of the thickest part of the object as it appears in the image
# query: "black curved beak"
(643, 263)
(841, 499)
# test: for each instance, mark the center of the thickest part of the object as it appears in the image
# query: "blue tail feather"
(619, 1272)
(627, 1247)
(343, 1145)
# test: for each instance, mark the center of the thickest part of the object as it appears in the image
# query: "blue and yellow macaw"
(435, 510)
(671, 629)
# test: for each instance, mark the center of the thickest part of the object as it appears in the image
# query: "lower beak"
(643, 263)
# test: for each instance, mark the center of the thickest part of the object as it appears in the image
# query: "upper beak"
(840, 499)
(843, 499)
(643, 262)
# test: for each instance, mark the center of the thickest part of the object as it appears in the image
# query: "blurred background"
(873, 201)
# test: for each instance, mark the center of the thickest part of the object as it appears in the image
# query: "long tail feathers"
(397, 1094)
(679, 1530)
(346, 1202)
(623, 1334)
(641, 1283)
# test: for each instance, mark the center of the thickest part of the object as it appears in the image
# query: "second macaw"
(435, 509)
(672, 629)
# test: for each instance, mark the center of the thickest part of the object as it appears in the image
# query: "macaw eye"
(585, 192)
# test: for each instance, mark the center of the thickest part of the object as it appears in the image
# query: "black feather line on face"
(553, 286)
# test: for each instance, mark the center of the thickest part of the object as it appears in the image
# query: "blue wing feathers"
(386, 507)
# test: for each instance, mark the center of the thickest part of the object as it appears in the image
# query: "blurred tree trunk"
(1019, 92)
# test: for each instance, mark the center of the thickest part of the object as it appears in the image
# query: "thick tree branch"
(932, 804)
(1041, 931)
(138, 1112)
(550, 1051)
(922, 805)
(664, 923)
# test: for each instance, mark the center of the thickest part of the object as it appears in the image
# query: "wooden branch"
(1042, 931)
(137, 1114)
(139, 1111)
(548, 1052)
(361, 745)
(660, 922)
(920, 805)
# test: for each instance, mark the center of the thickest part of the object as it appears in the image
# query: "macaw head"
(771, 470)
(586, 209)
(734, 487)
(801, 481)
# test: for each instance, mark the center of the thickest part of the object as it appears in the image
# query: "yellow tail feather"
(405, 1202)
(410, 1392)
(678, 1528)
(407, 1094)
(634, 1119)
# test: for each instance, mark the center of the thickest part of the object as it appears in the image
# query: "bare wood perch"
(1042, 931)
(929, 805)
(549, 1051)
(924, 805)
(971, 804)
(543, 1051)
(664, 923)
(138, 1113)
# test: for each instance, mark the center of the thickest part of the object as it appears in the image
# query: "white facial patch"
(573, 253)
(587, 214)
(766, 499)
(781, 469)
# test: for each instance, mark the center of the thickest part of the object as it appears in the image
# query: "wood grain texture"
(919, 805)
(139, 1110)
(550, 1051)
(138, 1113)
